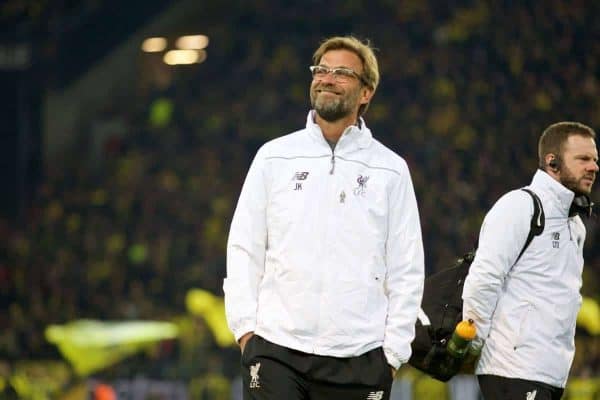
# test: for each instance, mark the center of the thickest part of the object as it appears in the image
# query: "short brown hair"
(554, 137)
(363, 50)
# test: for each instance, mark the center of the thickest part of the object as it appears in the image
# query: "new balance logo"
(377, 395)
(254, 383)
(555, 240)
(531, 395)
(300, 176)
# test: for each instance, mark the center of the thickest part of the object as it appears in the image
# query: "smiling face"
(579, 165)
(335, 99)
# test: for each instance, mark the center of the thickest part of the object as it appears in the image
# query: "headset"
(554, 163)
(583, 206)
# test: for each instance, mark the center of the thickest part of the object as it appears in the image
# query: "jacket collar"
(353, 135)
(559, 194)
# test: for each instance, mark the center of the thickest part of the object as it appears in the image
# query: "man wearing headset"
(525, 311)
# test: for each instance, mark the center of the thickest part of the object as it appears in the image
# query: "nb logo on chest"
(299, 176)
(555, 240)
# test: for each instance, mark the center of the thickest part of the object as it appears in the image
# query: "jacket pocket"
(523, 330)
(378, 270)
(566, 316)
(375, 287)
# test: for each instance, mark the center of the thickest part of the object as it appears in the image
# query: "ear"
(366, 94)
(553, 164)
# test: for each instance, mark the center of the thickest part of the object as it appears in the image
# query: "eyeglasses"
(340, 74)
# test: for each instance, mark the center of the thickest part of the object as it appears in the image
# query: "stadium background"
(121, 172)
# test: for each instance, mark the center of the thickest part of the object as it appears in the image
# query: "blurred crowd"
(139, 212)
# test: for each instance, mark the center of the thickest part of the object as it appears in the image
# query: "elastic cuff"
(392, 359)
(477, 344)
(243, 328)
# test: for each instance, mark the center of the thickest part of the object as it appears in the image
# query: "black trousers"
(500, 388)
(273, 372)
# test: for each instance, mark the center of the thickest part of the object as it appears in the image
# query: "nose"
(328, 78)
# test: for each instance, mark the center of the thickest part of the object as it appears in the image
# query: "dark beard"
(571, 183)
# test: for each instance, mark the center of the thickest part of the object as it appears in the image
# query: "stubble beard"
(332, 110)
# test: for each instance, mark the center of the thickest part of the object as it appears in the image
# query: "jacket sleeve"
(502, 237)
(405, 271)
(246, 248)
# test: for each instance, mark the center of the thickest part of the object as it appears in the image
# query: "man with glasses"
(325, 257)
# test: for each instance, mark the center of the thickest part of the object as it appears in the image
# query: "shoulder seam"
(294, 157)
(370, 166)
(341, 158)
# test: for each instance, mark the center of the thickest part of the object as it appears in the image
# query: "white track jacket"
(325, 254)
(526, 312)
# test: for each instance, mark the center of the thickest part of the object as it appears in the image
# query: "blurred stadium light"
(182, 57)
(154, 44)
(192, 42)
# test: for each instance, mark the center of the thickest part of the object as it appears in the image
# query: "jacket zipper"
(332, 163)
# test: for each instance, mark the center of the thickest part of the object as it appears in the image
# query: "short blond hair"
(363, 50)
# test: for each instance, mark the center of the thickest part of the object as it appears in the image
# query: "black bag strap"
(538, 219)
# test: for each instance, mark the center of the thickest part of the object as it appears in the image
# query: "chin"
(331, 114)
(587, 188)
(583, 191)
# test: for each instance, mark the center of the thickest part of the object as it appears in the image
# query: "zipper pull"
(569, 226)
(332, 164)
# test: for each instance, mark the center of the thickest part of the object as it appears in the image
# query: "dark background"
(121, 173)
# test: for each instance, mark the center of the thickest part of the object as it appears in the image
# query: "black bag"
(441, 309)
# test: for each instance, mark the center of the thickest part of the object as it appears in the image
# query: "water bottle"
(459, 343)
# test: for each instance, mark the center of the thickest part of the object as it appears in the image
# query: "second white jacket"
(526, 312)
(325, 254)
